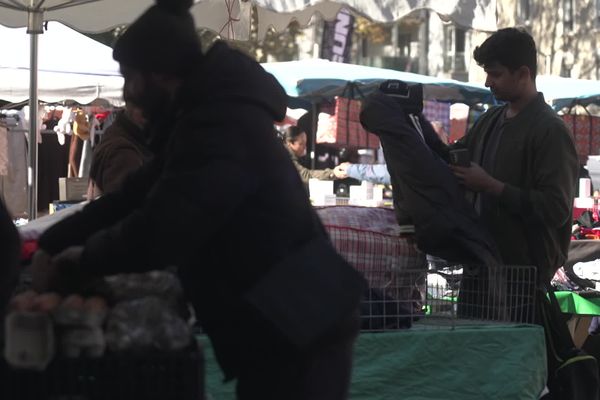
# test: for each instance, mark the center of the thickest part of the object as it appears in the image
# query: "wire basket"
(448, 297)
(407, 291)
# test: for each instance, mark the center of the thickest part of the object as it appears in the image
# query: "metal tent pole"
(313, 136)
(35, 20)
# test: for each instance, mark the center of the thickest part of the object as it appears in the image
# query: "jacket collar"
(536, 104)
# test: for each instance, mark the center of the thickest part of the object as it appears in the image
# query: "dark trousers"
(322, 372)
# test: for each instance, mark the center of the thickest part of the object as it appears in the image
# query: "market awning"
(231, 18)
(313, 79)
(566, 92)
(71, 66)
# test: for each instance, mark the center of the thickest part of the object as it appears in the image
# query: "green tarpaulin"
(467, 363)
(572, 303)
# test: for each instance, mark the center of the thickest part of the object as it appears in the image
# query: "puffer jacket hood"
(231, 76)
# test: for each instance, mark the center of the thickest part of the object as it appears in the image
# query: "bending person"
(221, 201)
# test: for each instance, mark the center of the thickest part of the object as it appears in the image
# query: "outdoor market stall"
(312, 82)
(229, 17)
(401, 363)
(391, 343)
(73, 70)
(324, 87)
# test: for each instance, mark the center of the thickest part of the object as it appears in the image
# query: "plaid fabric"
(437, 111)
(369, 239)
(373, 219)
(586, 131)
(343, 128)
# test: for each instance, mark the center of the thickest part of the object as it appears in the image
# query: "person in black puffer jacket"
(222, 201)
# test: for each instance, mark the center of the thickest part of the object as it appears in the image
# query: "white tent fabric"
(71, 66)
(564, 92)
(476, 14)
(231, 18)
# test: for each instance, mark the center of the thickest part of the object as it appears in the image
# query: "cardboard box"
(72, 189)
(578, 327)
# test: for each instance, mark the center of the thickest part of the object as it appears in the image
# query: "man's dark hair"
(509, 47)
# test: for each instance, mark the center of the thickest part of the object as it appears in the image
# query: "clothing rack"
(12, 122)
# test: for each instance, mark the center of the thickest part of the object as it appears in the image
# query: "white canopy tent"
(71, 67)
(231, 18)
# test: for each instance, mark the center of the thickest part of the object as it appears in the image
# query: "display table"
(574, 303)
(468, 363)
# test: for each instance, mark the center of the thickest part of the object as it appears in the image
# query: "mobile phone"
(460, 157)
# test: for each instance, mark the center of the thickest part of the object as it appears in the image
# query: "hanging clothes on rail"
(53, 160)
(3, 148)
(13, 183)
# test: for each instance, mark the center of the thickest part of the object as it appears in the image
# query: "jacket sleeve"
(101, 213)
(205, 180)
(120, 163)
(306, 174)
(375, 173)
(555, 167)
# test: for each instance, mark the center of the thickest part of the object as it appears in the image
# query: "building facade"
(567, 33)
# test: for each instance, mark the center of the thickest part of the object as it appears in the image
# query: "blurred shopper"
(374, 173)
(123, 149)
(221, 201)
(295, 141)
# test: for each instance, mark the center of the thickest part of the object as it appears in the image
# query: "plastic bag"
(146, 322)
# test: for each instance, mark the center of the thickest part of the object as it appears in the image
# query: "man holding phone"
(524, 163)
(518, 165)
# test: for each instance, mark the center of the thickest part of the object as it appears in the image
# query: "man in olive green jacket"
(524, 163)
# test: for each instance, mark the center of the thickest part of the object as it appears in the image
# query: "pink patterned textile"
(369, 239)
(437, 111)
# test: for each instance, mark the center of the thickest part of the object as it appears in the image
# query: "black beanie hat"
(163, 39)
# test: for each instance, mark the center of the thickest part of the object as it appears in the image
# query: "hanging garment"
(3, 149)
(445, 223)
(53, 163)
(13, 185)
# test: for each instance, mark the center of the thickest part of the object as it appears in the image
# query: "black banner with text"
(337, 37)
